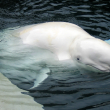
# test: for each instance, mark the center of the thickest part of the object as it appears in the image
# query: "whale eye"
(78, 58)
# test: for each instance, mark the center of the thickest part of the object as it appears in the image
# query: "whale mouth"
(106, 70)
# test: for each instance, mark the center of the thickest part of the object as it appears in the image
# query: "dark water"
(62, 90)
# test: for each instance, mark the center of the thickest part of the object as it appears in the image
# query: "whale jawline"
(107, 71)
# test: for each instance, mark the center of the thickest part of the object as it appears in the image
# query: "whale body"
(54, 36)
(68, 41)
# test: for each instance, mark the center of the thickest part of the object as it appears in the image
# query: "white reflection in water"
(25, 63)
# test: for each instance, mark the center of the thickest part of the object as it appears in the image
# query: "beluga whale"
(68, 41)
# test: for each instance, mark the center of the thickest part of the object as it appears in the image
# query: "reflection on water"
(63, 89)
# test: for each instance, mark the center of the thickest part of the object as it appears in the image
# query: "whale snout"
(99, 68)
(105, 64)
(104, 69)
(108, 71)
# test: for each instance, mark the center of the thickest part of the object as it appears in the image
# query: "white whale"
(68, 41)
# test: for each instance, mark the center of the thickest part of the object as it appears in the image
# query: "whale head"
(92, 54)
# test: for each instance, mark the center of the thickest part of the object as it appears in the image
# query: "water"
(63, 89)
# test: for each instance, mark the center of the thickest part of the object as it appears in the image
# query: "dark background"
(92, 14)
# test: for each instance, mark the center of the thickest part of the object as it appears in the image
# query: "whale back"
(54, 36)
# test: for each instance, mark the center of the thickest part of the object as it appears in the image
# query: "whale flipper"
(41, 77)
